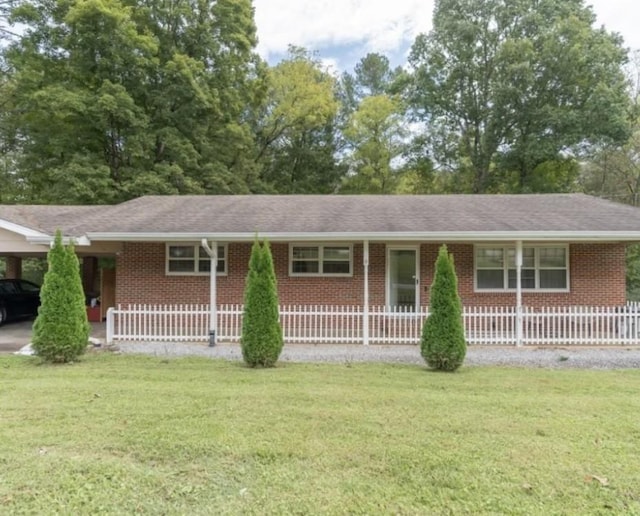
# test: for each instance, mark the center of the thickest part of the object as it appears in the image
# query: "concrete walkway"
(14, 335)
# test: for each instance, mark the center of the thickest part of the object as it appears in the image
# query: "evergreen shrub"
(261, 339)
(443, 344)
(61, 330)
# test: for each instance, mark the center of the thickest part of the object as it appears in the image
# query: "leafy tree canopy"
(112, 99)
(377, 135)
(297, 130)
(506, 86)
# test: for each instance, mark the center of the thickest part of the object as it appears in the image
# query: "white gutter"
(422, 236)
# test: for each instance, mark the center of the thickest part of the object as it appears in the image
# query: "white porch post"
(365, 312)
(213, 309)
(518, 293)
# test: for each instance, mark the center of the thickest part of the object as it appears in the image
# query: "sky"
(344, 31)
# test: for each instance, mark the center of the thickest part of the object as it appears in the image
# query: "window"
(543, 268)
(320, 260)
(190, 259)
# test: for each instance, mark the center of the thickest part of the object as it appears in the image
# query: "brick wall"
(597, 278)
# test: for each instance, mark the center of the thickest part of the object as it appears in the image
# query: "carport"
(27, 232)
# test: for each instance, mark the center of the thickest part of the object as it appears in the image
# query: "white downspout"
(365, 313)
(213, 309)
(518, 293)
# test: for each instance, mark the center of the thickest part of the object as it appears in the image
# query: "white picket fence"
(336, 324)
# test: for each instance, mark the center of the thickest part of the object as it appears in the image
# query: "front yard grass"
(131, 434)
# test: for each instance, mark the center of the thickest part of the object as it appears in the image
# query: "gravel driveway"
(558, 358)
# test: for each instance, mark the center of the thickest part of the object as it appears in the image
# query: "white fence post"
(110, 321)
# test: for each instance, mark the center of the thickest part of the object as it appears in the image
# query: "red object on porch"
(93, 313)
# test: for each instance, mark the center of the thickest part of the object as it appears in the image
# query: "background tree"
(262, 338)
(61, 330)
(613, 171)
(372, 76)
(443, 344)
(112, 99)
(8, 192)
(377, 135)
(417, 174)
(505, 87)
(296, 133)
(6, 31)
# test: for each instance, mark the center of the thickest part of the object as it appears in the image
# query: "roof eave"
(21, 230)
(66, 240)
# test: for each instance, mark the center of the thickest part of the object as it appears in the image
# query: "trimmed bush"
(261, 340)
(61, 330)
(443, 345)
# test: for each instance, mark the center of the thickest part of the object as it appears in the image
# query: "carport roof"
(46, 218)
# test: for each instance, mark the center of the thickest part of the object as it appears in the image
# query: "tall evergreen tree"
(443, 343)
(372, 76)
(262, 338)
(61, 330)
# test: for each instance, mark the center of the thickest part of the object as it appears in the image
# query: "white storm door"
(403, 278)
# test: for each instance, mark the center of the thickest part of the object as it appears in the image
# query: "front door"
(403, 278)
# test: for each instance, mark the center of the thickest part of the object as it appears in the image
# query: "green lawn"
(127, 434)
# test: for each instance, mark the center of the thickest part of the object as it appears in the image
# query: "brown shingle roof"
(318, 214)
(368, 214)
(47, 218)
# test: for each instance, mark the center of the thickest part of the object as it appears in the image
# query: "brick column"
(14, 267)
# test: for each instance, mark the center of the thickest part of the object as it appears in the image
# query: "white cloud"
(619, 16)
(377, 25)
(330, 65)
(345, 30)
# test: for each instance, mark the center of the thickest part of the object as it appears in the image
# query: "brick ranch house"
(363, 251)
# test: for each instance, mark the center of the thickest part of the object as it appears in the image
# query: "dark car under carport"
(18, 299)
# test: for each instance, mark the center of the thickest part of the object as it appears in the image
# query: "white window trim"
(196, 258)
(536, 289)
(320, 247)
